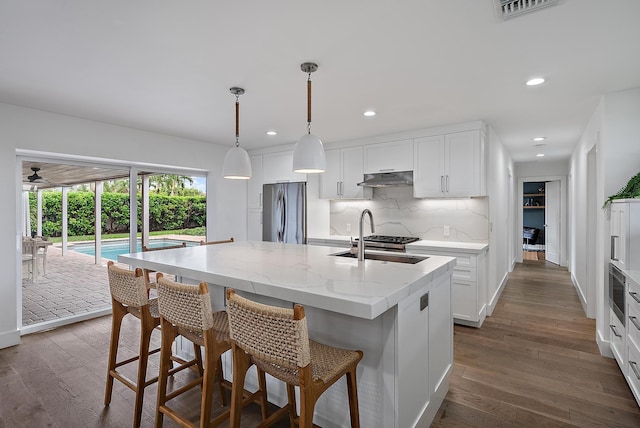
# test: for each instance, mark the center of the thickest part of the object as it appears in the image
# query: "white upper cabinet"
(388, 157)
(345, 169)
(451, 165)
(278, 167)
(254, 189)
(625, 234)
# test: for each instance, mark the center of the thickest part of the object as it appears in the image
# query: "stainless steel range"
(384, 242)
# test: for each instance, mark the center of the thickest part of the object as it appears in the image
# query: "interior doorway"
(542, 219)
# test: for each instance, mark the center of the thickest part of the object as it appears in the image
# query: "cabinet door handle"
(342, 188)
(387, 170)
(635, 296)
(338, 188)
(634, 321)
(613, 247)
(633, 366)
(447, 181)
(442, 183)
(260, 198)
(615, 332)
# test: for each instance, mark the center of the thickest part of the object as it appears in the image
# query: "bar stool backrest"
(183, 305)
(269, 334)
(127, 287)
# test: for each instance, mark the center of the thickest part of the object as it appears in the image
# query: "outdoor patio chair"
(29, 257)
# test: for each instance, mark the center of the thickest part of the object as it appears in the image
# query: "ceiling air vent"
(511, 8)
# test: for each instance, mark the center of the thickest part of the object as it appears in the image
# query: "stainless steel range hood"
(388, 179)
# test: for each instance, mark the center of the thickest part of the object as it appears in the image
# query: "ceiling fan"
(35, 178)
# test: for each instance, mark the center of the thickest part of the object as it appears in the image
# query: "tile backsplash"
(397, 212)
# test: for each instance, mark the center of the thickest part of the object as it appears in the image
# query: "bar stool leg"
(293, 410)
(262, 383)
(169, 334)
(118, 313)
(241, 363)
(145, 338)
(352, 388)
(220, 377)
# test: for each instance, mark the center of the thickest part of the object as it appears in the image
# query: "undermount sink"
(394, 258)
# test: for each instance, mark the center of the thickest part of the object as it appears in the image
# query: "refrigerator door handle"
(281, 209)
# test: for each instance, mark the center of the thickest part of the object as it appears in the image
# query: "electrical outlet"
(348, 227)
(446, 231)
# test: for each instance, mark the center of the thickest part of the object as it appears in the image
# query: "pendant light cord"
(237, 120)
(309, 104)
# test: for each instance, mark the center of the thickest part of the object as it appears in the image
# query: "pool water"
(112, 249)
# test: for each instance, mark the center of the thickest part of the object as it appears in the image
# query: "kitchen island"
(398, 314)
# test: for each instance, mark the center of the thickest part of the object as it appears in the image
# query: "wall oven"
(617, 283)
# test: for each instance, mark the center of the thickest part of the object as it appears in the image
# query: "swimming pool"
(112, 249)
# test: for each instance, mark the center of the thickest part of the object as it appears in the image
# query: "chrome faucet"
(360, 240)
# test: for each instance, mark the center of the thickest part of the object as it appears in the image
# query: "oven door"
(616, 292)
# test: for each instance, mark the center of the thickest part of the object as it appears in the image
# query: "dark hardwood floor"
(533, 363)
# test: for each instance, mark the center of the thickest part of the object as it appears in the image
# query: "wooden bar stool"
(186, 310)
(225, 241)
(276, 340)
(129, 296)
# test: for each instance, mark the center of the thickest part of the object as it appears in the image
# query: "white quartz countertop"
(422, 245)
(305, 274)
(460, 247)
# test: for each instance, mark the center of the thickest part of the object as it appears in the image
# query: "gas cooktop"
(396, 243)
(390, 239)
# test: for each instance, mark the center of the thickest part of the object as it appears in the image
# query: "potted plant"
(631, 190)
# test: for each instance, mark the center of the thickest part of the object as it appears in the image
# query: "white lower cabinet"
(632, 372)
(468, 288)
(618, 340)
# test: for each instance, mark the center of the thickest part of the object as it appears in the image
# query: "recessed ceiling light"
(369, 113)
(535, 81)
(540, 155)
(272, 133)
(539, 138)
(539, 145)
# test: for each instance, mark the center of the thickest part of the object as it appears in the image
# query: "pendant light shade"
(308, 154)
(236, 162)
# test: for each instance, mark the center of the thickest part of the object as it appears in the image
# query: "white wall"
(541, 168)
(27, 129)
(500, 187)
(614, 129)
(578, 197)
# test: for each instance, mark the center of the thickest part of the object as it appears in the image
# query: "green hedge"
(165, 212)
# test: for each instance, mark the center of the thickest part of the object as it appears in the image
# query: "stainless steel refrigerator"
(284, 212)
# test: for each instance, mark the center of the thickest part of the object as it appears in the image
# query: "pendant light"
(236, 163)
(308, 155)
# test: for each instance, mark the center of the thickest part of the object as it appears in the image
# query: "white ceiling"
(167, 66)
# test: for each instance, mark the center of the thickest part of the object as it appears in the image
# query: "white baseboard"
(9, 338)
(603, 345)
(581, 296)
(494, 299)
